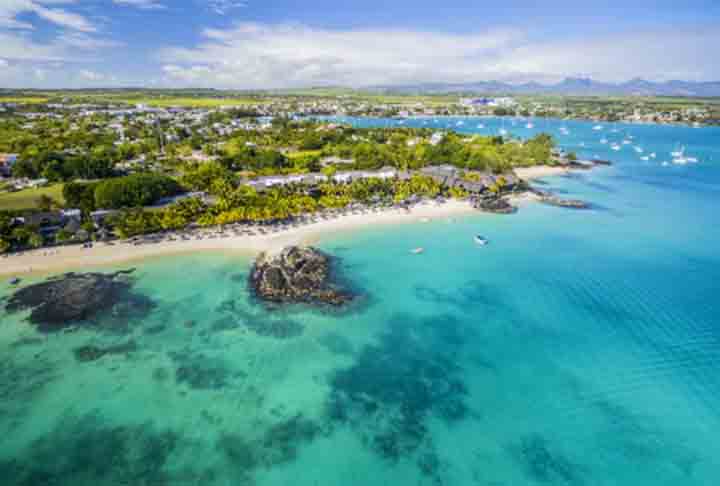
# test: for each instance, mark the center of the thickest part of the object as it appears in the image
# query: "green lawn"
(304, 153)
(25, 100)
(27, 198)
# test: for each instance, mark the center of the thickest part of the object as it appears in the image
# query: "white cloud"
(11, 9)
(141, 4)
(88, 75)
(221, 7)
(275, 56)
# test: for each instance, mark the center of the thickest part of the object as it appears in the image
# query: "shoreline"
(269, 239)
(53, 260)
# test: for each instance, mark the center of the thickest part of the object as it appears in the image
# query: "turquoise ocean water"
(578, 348)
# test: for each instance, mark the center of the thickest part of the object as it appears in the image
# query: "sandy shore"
(540, 171)
(76, 257)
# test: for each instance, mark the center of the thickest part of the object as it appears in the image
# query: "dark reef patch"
(337, 344)
(472, 296)
(79, 298)
(276, 324)
(85, 451)
(20, 383)
(396, 385)
(277, 328)
(201, 372)
(543, 465)
(279, 444)
(91, 352)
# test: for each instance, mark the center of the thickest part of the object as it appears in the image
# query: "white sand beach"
(540, 171)
(247, 240)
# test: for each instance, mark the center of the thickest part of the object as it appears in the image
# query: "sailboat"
(679, 157)
(678, 153)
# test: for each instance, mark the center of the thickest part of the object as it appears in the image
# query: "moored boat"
(481, 240)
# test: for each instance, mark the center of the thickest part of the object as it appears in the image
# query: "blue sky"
(282, 43)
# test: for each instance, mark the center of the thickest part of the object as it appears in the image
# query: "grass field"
(27, 198)
(25, 100)
(304, 153)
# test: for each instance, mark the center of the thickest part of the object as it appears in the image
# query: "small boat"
(692, 160)
(639, 150)
(14, 281)
(503, 132)
(653, 155)
(417, 251)
(616, 147)
(598, 127)
(481, 126)
(529, 125)
(645, 158)
(480, 240)
(604, 141)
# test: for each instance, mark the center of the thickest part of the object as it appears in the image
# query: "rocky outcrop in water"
(296, 275)
(565, 203)
(71, 298)
(497, 205)
(553, 200)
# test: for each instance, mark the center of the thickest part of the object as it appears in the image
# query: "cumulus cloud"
(45, 9)
(251, 55)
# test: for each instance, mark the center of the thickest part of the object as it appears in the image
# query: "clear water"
(578, 348)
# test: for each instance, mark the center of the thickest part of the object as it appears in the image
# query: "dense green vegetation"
(134, 191)
(244, 204)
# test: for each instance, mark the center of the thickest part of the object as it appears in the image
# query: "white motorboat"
(481, 240)
(417, 251)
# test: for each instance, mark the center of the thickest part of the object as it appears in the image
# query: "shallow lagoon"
(578, 348)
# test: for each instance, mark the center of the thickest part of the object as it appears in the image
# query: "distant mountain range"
(568, 86)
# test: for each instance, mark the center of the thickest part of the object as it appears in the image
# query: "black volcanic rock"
(296, 275)
(565, 203)
(71, 298)
(497, 205)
